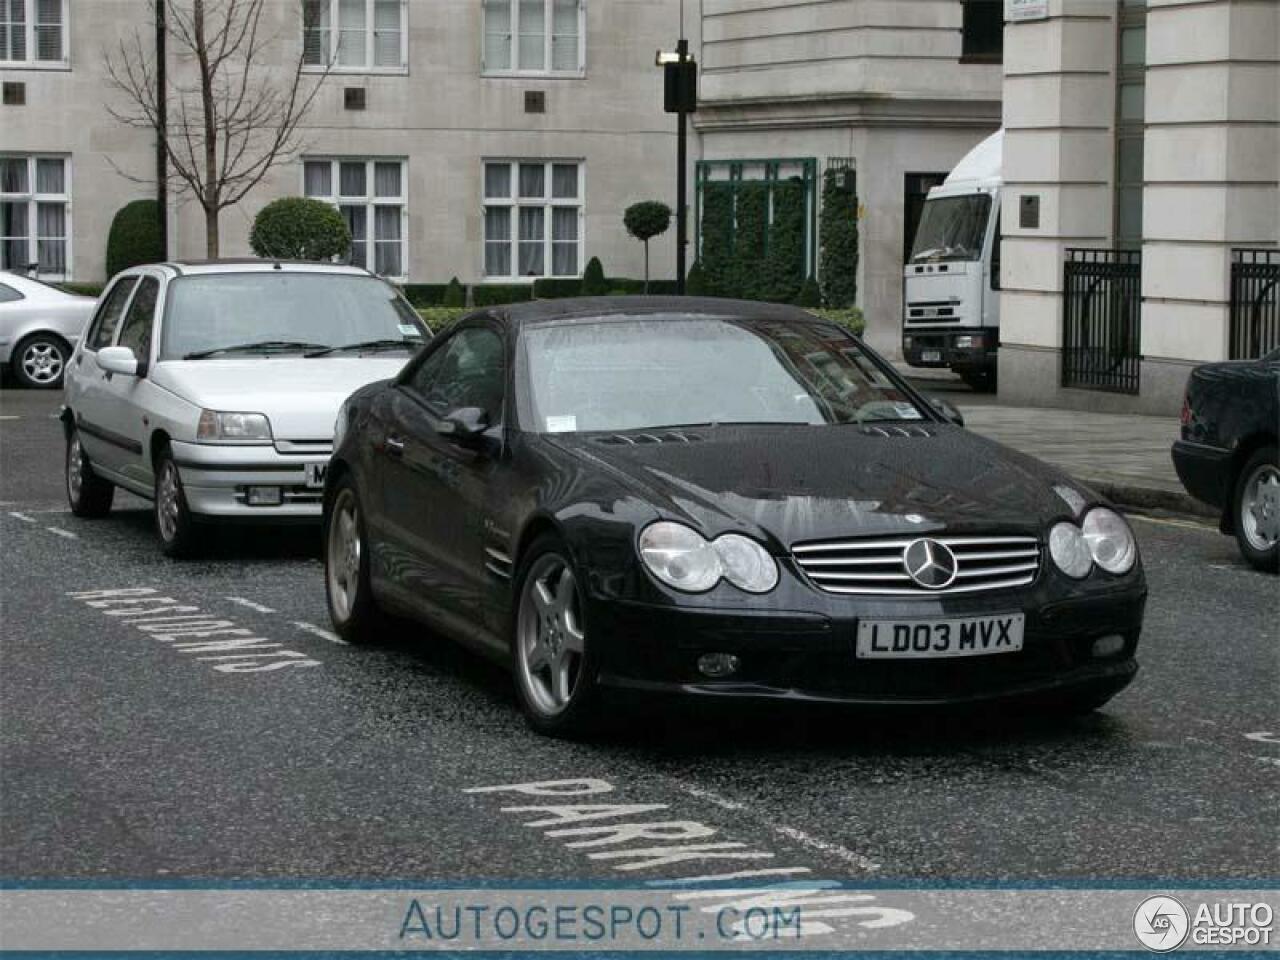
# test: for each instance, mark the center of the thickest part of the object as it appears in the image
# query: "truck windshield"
(952, 228)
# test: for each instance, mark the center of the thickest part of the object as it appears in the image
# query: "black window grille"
(1255, 302)
(1102, 320)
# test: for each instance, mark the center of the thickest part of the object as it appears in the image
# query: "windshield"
(952, 228)
(283, 312)
(672, 370)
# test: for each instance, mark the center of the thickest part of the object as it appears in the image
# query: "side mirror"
(118, 360)
(466, 425)
(947, 409)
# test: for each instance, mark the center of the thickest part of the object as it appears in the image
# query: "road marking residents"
(65, 534)
(185, 628)
(320, 632)
(22, 516)
(632, 841)
(256, 607)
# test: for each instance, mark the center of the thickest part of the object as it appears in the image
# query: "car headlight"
(1069, 550)
(682, 558)
(1109, 539)
(219, 427)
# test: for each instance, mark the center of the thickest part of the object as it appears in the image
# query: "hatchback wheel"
(352, 608)
(173, 520)
(553, 662)
(87, 493)
(40, 361)
(1257, 510)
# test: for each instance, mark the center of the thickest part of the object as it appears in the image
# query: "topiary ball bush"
(134, 237)
(300, 228)
(594, 283)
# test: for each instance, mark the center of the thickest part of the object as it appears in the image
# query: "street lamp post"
(162, 128)
(680, 76)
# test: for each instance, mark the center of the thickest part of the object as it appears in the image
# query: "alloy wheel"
(344, 552)
(42, 362)
(168, 501)
(550, 635)
(1260, 507)
(75, 468)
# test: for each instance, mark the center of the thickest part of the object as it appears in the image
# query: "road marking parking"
(22, 516)
(257, 607)
(66, 534)
(614, 834)
(315, 631)
(189, 630)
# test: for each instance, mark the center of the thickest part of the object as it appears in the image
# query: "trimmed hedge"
(440, 319)
(134, 237)
(496, 294)
(838, 238)
(83, 289)
(556, 288)
(425, 294)
(851, 319)
(300, 228)
(594, 283)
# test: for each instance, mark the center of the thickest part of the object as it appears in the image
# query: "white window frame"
(548, 23)
(32, 62)
(546, 203)
(33, 198)
(335, 32)
(370, 202)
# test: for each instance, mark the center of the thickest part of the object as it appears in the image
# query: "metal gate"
(1255, 302)
(1101, 336)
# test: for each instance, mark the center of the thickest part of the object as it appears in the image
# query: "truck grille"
(878, 566)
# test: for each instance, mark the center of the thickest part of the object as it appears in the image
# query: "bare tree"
(233, 115)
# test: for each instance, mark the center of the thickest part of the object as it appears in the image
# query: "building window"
(1131, 93)
(534, 37)
(532, 218)
(371, 195)
(355, 36)
(33, 33)
(982, 32)
(35, 215)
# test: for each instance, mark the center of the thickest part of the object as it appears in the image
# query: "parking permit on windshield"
(409, 330)
(907, 411)
(562, 424)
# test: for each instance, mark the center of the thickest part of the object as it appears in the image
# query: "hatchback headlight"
(1109, 539)
(682, 558)
(1069, 550)
(245, 428)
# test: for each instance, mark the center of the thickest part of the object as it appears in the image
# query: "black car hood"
(796, 483)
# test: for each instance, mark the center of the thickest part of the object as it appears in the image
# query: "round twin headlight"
(1103, 538)
(682, 558)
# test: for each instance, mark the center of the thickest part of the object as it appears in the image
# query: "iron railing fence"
(1101, 341)
(1255, 302)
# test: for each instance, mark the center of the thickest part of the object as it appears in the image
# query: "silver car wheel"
(550, 635)
(42, 362)
(168, 500)
(75, 467)
(1260, 507)
(343, 557)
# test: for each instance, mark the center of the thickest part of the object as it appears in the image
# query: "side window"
(995, 256)
(8, 294)
(139, 321)
(108, 318)
(466, 371)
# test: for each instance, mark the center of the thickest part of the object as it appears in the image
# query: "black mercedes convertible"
(716, 499)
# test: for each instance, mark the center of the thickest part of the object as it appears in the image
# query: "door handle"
(394, 447)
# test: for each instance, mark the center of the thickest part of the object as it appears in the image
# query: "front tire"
(40, 361)
(87, 493)
(174, 525)
(348, 593)
(555, 665)
(1257, 509)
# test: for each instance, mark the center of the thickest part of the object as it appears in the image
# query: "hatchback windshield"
(952, 228)
(228, 314)
(631, 373)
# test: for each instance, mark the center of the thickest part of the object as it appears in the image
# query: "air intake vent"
(15, 94)
(895, 430)
(878, 567)
(354, 98)
(642, 439)
(535, 101)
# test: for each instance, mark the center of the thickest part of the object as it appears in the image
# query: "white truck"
(951, 283)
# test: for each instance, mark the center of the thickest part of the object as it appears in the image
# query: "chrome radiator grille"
(878, 566)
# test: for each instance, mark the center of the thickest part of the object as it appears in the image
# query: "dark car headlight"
(1103, 538)
(682, 558)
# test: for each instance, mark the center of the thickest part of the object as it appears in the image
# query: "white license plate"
(958, 637)
(315, 475)
(931, 356)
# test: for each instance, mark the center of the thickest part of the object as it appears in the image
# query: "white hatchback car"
(212, 388)
(39, 327)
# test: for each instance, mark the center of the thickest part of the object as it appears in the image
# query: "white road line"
(22, 516)
(312, 629)
(251, 605)
(1162, 521)
(63, 533)
(9, 418)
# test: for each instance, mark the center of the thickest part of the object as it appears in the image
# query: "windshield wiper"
(385, 344)
(264, 345)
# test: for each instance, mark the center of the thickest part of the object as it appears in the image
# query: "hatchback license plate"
(315, 475)
(960, 637)
(931, 356)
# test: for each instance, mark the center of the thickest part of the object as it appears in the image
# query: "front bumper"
(962, 349)
(216, 481)
(789, 655)
(1205, 471)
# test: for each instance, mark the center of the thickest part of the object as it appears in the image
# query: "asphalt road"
(127, 753)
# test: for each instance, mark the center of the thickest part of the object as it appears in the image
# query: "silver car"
(40, 326)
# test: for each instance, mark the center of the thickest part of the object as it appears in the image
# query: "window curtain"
(351, 180)
(13, 173)
(497, 180)
(386, 180)
(357, 221)
(497, 34)
(532, 236)
(564, 181)
(564, 241)
(51, 237)
(316, 32)
(51, 176)
(14, 248)
(387, 260)
(497, 242)
(386, 33)
(533, 181)
(564, 36)
(317, 176)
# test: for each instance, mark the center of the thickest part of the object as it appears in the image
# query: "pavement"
(1125, 457)
(128, 754)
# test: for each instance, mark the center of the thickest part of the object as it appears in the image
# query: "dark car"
(716, 499)
(1227, 455)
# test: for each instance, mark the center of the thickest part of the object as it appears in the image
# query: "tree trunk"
(211, 183)
(211, 239)
(646, 267)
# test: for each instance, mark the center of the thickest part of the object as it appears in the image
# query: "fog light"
(1108, 646)
(264, 496)
(718, 665)
(906, 343)
(968, 342)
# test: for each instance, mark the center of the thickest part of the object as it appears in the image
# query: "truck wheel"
(980, 381)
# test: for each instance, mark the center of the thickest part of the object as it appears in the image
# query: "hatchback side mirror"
(466, 425)
(118, 360)
(947, 409)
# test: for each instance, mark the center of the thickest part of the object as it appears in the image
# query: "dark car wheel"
(40, 360)
(552, 659)
(87, 493)
(174, 524)
(352, 607)
(1257, 509)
